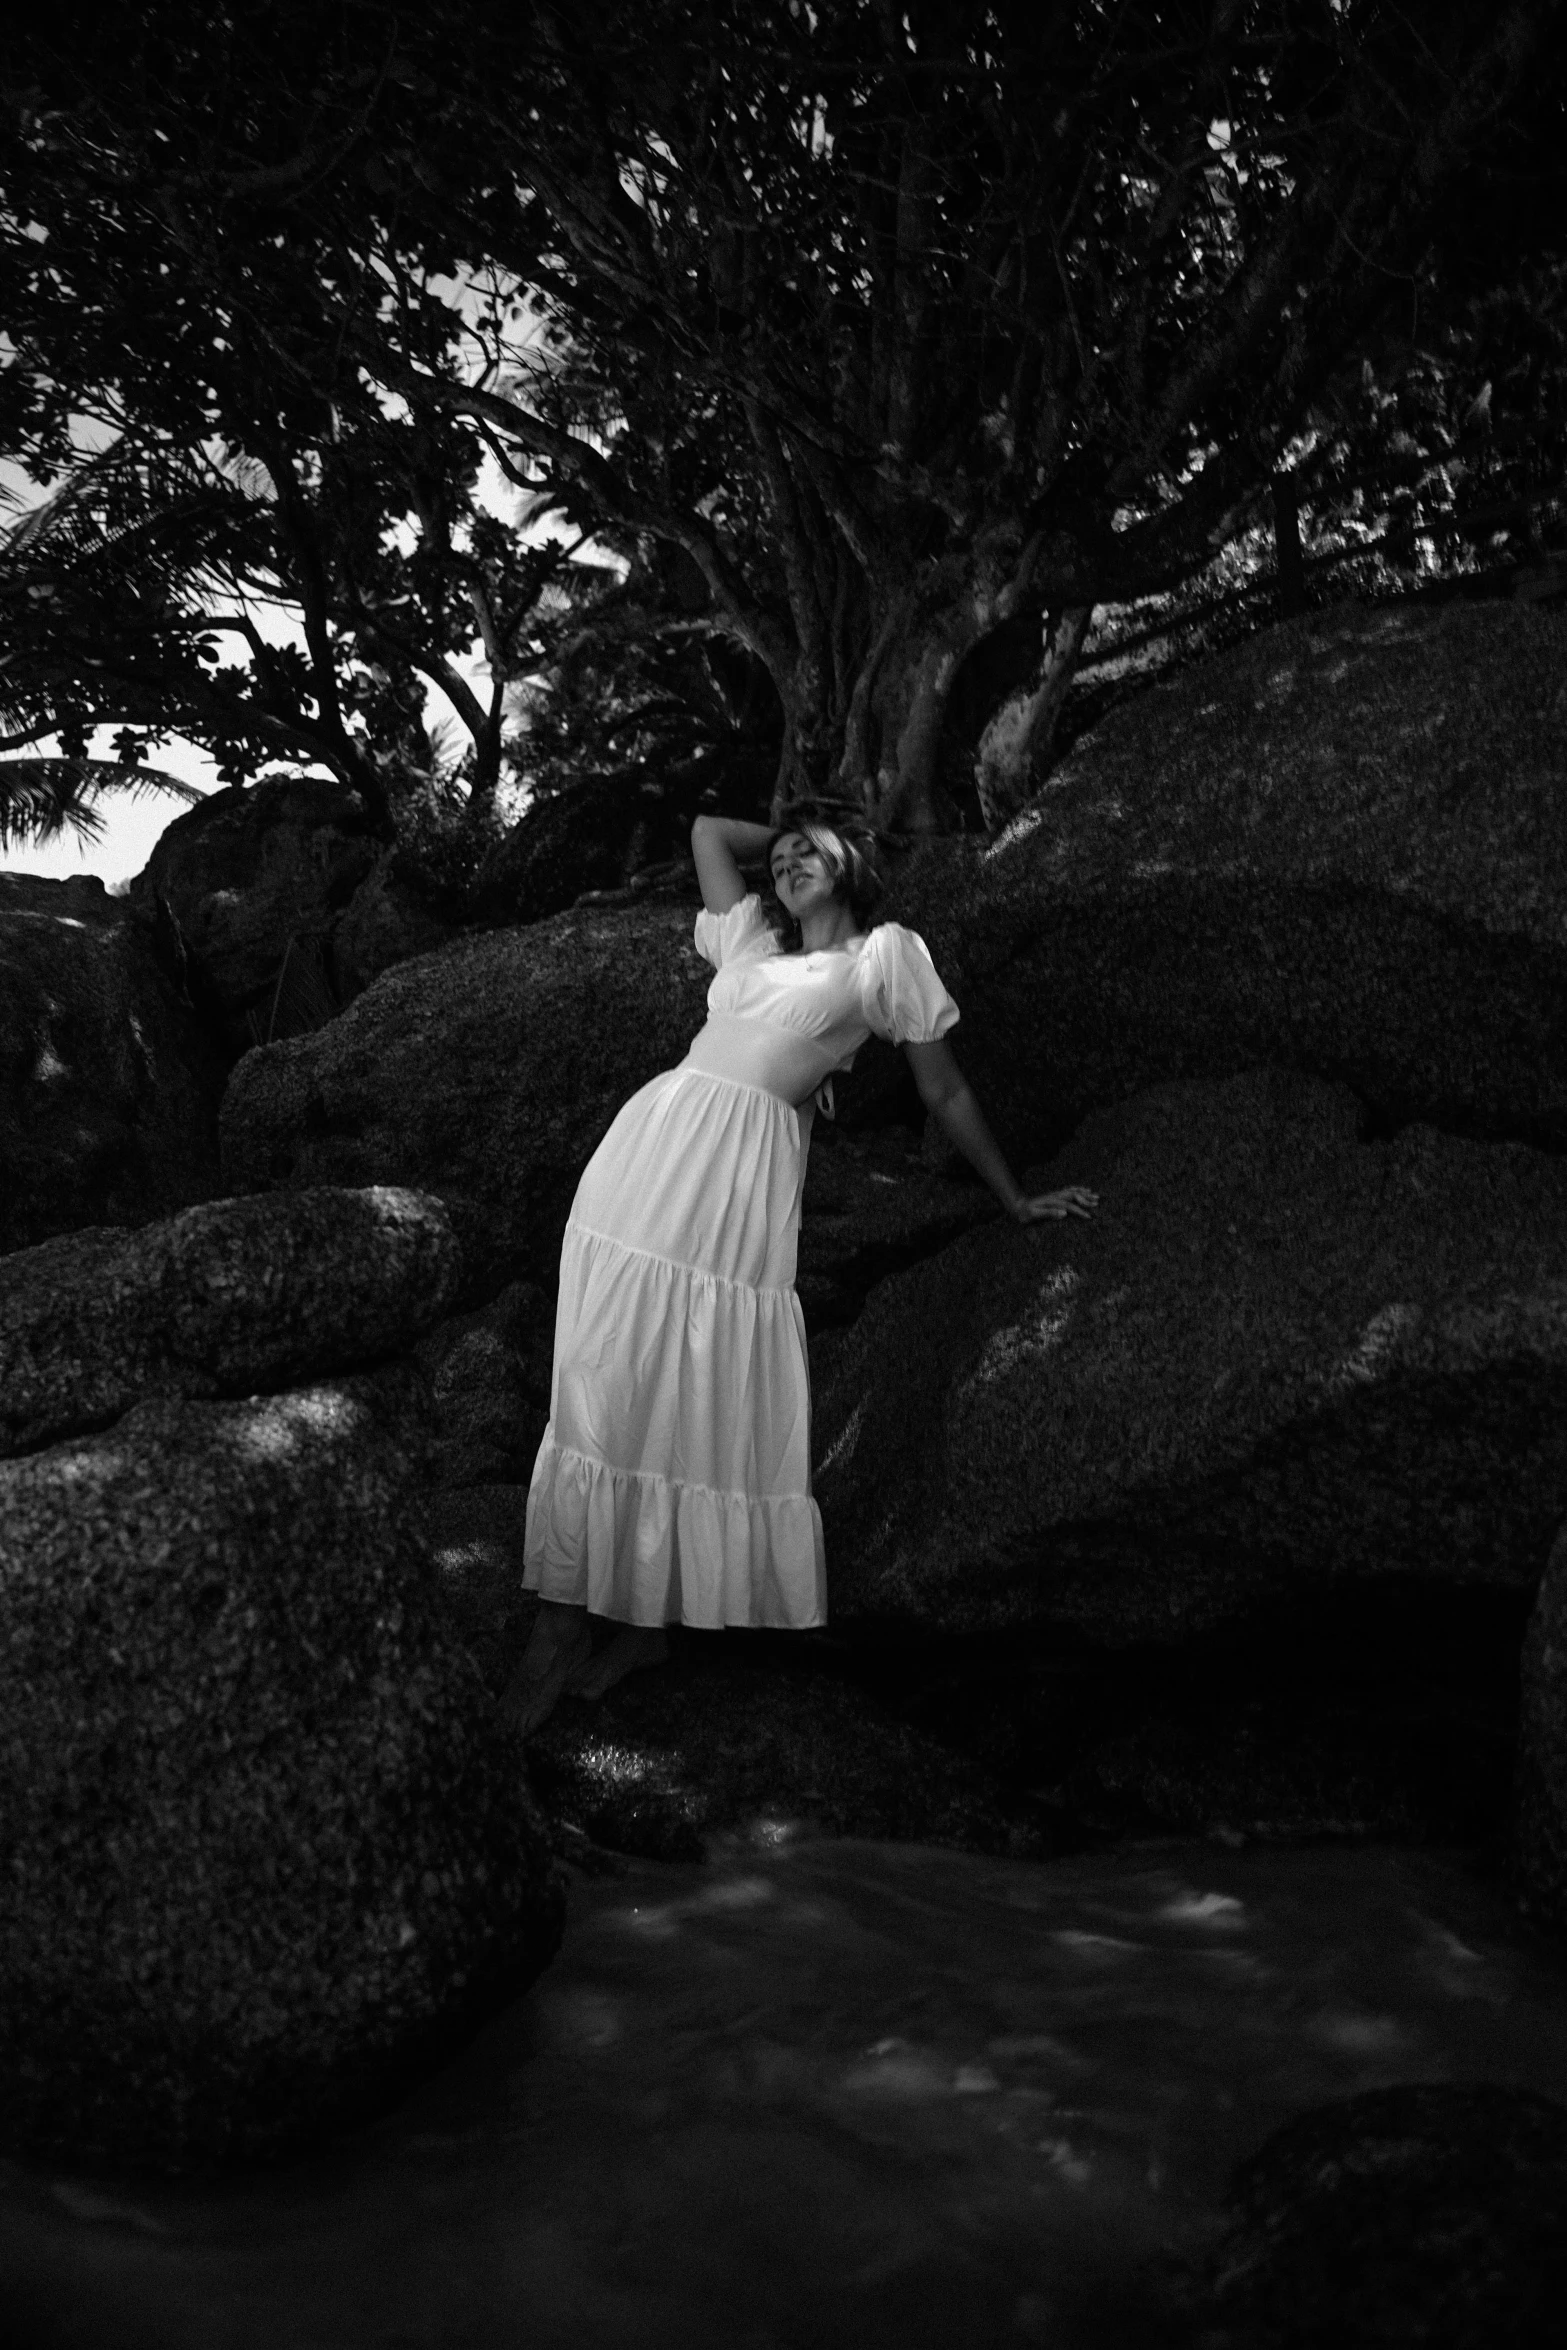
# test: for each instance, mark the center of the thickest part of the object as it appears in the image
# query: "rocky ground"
(1226, 1513)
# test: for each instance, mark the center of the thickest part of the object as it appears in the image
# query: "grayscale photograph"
(783, 1175)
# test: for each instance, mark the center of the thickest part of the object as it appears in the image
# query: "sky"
(131, 824)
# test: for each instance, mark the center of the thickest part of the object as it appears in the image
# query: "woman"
(674, 1480)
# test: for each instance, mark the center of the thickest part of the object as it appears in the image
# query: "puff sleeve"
(742, 934)
(903, 998)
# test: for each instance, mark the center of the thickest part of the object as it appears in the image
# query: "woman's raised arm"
(717, 845)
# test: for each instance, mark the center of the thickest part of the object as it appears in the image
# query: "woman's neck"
(826, 926)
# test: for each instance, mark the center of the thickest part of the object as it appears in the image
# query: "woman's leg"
(561, 1641)
(559, 1656)
(631, 1647)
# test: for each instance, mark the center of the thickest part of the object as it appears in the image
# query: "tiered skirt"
(673, 1484)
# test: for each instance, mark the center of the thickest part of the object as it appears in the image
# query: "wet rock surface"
(1280, 1356)
(744, 1732)
(1427, 2215)
(230, 1297)
(863, 1740)
(1332, 847)
(738, 1731)
(268, 1850)
(862, 2095)
(109, 1086)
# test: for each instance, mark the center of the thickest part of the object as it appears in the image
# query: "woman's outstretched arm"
(945, 1092)
(717, 845)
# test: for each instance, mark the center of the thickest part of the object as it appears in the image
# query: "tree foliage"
(197, 230)
(870, 350)
(1001, 310)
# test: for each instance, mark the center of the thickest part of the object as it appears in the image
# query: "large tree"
(880, 343)
(1000, 310)
(201, 214)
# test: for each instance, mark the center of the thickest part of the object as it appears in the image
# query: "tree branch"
(610, 493)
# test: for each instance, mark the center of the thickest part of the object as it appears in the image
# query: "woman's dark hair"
(847, 846)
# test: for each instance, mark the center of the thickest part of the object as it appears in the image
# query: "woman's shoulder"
(903, 992)
(740, 929)
(892, 944)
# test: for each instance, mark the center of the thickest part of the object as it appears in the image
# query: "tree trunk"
(806, 761)
(874, 735)
(1014, 750)
(908, 791)
(487, 747)
(360, 771)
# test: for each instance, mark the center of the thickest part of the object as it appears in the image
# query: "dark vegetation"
(717, 397)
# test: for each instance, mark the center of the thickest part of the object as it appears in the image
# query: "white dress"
(673, 1484)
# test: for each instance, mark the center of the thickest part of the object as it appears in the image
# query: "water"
(824, 2094)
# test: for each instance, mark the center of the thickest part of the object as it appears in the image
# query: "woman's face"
(800, 875)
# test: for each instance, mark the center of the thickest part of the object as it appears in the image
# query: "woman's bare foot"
(560, 1644)
(633, 1647)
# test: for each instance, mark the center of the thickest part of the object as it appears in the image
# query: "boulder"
(1282, 1355)
(475, 1537)
(873, 1205)
(1302, 1744)
(488, 1072)
(1431, 2216)
(386, 921)
(1332, 848)
(109, 1086)
(1541, 1850)
(485, 1072)
(249, 871)
(1336, 847)
(767, 1734)
(489, 1371)
(267, 1848)
(583, 839)
(738, 1735)
(1390, 1712)
(225, 1299)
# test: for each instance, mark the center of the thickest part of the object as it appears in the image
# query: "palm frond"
(248, 475)
(39, 522)
(38, 804)
(131, 514)
(42, 799)
(58, 513)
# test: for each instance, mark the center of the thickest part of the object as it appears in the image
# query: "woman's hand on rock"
(1050, 1206)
